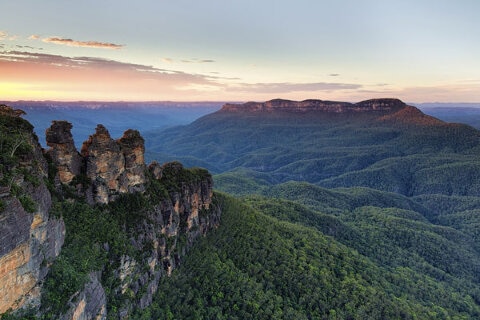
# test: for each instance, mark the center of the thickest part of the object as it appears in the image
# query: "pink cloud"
(88, 44)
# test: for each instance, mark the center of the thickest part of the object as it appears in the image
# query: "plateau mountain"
(382, 143)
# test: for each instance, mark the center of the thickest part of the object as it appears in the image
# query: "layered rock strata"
(169, 229)
(315, 106)
(30, 238)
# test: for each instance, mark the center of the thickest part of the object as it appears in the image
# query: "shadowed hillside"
(383, 144)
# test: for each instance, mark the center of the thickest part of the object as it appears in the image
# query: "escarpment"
(154, 214)
(312, 105)
(30, 238)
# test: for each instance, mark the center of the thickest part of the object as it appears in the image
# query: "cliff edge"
(312, 105)
(30, 238)
(135, 222)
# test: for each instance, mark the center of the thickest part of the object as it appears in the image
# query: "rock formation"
(315, 106)
(112, 166)
(178, 210)
(90, 303)
(173, 226)
(105, 165)
(30, 238)
(62, 150)
(133, 149)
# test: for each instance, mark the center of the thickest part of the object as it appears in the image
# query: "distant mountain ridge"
(314, 105)
(375, 143)
(388, 109)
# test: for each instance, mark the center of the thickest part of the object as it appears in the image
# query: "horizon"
(245, 51)
(217, 101)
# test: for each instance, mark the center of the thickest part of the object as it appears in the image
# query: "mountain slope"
(256, 266)
(329, 144)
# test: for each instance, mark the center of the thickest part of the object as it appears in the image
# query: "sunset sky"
(191, 50)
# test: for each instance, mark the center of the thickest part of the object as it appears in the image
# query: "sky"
(232, 50)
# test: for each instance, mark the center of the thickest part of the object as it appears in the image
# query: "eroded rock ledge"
(313, 105)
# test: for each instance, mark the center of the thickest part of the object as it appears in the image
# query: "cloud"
(33, 75)
(287, 87)
(195, 60)
(25, 47)
(79, 62)
(87, 44)
(167, 60)
(334, 74)
(34, 37)
(5, 36)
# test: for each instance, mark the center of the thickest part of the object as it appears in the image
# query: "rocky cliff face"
(30, 238)
(113, 167)
(279, 105)
(167, 231)
(62, 150)
(172, 207)
(90, 303)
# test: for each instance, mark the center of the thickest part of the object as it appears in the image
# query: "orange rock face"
(16, 283)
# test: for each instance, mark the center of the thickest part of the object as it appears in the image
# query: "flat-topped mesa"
(313, 105)
(381, 104)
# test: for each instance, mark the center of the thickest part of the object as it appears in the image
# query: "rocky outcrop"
(105, 165)
(168, 230)
(132, 146)
(111, 167)
(30, 238)
(280, 105)
(178, 208)
(90, 303)
(65, 156)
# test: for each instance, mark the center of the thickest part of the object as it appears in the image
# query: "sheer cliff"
(89, 234)
(30, 238)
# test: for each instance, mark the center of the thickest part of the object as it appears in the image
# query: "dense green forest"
(409, 153)
(336, 217)
(279, 259)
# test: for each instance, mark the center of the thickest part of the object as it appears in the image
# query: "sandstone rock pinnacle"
(62, 150)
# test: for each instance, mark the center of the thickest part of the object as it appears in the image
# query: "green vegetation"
(97, 237)
(15, 153)
(87, 230)
(329, 150)
(260, 265)
(399, 198)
